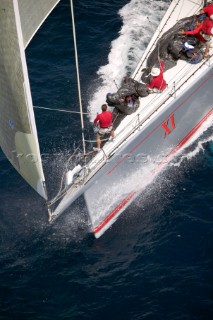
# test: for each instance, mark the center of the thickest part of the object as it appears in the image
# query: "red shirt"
(104, 119)
(158, 82)
(205, 27)
(195, 31)
(208, 10)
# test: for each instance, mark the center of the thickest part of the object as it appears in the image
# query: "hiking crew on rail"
(104, 123)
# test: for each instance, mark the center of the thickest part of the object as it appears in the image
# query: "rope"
(78, 78)
(60, 110)
(116, 84)
(180, 10)
(116, 117)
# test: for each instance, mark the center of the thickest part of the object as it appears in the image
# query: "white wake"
(140, 20)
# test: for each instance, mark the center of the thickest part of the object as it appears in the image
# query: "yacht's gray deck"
(182, 75)
(177, 78)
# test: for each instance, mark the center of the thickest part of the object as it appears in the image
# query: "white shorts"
(103, 131)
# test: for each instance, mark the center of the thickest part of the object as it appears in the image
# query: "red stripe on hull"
(115, 211)
(122, 204)
(186, 138)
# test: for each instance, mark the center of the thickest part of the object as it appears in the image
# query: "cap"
(155, 72)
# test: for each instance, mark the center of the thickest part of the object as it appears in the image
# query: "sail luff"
(18, 133)
(28, 96)
(26, 84)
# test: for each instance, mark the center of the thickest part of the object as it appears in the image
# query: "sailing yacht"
(151, 136)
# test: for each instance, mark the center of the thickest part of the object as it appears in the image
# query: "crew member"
(208, 10)
(204, 33)
(158, 82)
(104, 123)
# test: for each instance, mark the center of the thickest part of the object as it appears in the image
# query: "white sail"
(18, 133)
(32, 14)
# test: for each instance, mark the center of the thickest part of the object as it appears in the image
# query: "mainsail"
(18, 134)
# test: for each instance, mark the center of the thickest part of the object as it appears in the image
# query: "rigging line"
(60, 110)
(116, 84)
(136, 55)
(180, 10)
(78, 78)
(65, 171)
(118, 113)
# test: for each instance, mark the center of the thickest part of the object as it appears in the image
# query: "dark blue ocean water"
(156, 262)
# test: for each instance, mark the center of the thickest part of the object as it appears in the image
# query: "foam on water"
(198, 145)
(119, 190)
(140, 20)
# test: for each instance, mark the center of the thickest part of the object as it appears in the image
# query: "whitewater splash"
(139, 24)
(198, 140)
(145, 175)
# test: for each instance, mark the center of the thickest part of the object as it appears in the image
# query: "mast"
(78, 78)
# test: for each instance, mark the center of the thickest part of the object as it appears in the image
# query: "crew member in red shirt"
(208, 10)
(104, 123)
(158, 82)
(204, 32)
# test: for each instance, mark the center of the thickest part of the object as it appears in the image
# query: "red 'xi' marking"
(165, 125)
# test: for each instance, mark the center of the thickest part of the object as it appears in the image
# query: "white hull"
(159, 129)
